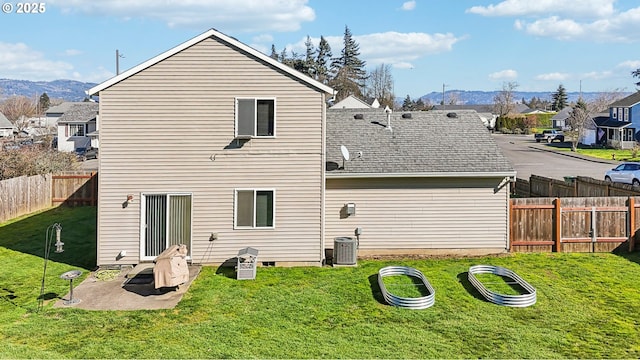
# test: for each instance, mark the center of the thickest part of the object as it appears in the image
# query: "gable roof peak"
(205, 35)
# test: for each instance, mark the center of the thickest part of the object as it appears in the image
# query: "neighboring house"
(428, 182)
(6, 127)
(559, 120)
(352, 102)
(485, 112)
(75, 124)
(55, 112)
(621, 128)
(215, 145)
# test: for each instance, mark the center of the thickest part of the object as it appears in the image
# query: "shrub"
(35, 160)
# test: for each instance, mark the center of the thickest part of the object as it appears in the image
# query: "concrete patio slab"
(126, 292)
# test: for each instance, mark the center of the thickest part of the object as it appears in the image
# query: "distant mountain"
(466, 97)
(68, 90)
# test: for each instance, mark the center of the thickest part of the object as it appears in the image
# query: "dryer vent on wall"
(345, 251)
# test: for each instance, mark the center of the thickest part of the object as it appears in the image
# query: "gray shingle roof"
(80, 112)
(428, 142)
(61, 108)
(628, 101)
(5, 123)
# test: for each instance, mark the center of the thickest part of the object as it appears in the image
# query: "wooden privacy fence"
(594, 224)
(539, 186)
(27, 194)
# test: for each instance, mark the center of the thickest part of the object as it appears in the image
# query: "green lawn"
(588, 307)
(608, 154)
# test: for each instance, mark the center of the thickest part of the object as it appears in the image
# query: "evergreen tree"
(274, 53)
(559, 99)
(348, 71)
(43, 103)
(408, 104)
(636, 74)
(309, 59)
(323, 58)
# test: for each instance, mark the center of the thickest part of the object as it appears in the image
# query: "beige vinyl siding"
(170, 128)
(412, 214)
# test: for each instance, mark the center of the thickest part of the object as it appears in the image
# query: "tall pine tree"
(323, 60)
(348, 71)
(560, 99)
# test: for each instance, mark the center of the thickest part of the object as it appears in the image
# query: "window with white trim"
(614, 113)
(76, 129)
(626, 114)
(254, 208)
(255, 117)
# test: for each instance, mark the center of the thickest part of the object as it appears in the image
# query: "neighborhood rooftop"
(431, 143)
(80, 112)
(628, 101)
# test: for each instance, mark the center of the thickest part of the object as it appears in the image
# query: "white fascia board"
(210, 33)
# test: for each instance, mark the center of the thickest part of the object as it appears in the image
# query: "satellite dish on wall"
(345, 152)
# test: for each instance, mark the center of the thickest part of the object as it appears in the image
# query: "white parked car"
(627, 172)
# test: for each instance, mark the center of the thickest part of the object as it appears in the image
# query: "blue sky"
(464, 44)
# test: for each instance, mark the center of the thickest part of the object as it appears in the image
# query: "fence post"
(558, 219)
(632, 223)
(510, 225)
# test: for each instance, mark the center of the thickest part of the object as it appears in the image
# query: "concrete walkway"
(126, 293)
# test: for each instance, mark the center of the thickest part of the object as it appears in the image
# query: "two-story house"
(75, 126)
(214, 145)
(620, 129)
(217, 146)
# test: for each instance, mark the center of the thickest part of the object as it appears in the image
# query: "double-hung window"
(255, 117)
(76, 129)
(254, 208)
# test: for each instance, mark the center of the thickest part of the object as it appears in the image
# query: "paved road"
(529, 157)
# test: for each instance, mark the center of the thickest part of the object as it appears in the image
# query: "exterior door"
(166, 221)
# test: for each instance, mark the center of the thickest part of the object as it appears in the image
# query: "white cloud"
(630, 64)
(591, 20)
(96, 76)
(597, 75)
(504, 75)
(409, 5)
(586, 8)
(18, 61)
(392, 48)
(556, 76)
(225, 15)
(403, 65)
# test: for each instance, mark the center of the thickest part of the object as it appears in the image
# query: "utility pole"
(444, 106)
(118, 56)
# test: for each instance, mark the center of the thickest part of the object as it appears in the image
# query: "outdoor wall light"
(350, 208)
(128, 201)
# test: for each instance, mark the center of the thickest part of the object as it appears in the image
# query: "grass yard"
(588, 307)
(608, 154)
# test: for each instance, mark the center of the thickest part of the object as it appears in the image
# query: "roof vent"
(406, 116)
(358, 116)
(452, 115)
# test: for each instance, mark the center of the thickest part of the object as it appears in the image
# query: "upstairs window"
(626, 114)
(76, 129)
(255, 117)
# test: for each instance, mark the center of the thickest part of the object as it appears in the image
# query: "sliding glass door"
(166, 221)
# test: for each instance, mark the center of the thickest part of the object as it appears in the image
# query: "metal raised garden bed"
(422, 302)
(528, 298)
